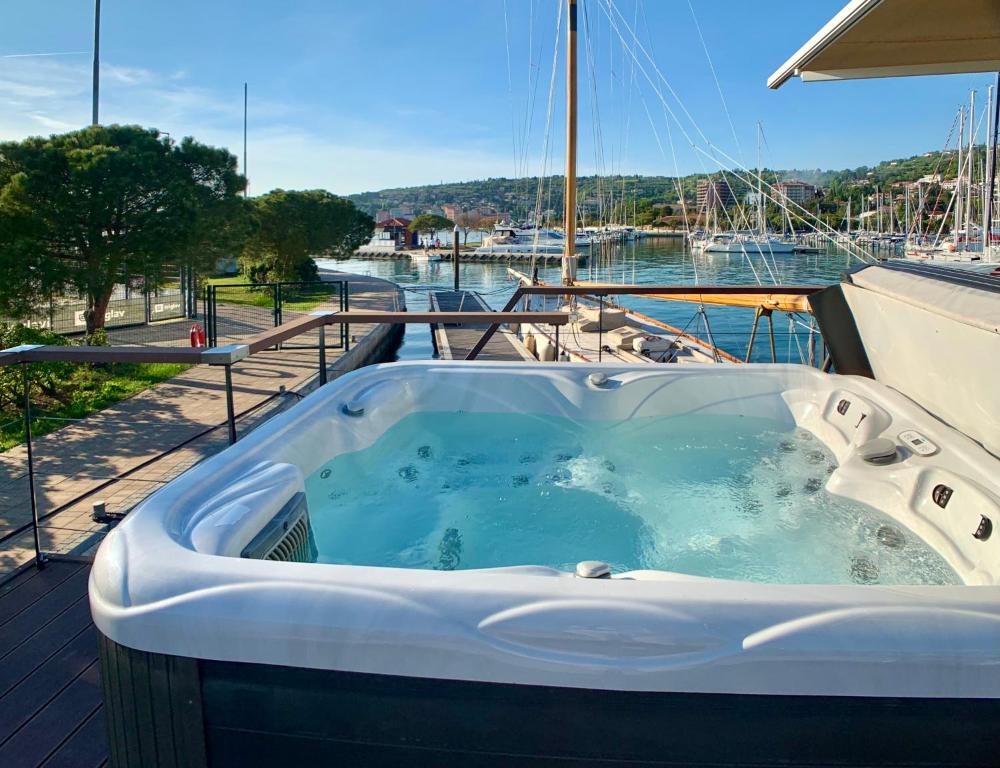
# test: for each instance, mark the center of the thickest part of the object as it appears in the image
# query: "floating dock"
(471, 257)
(454, 341)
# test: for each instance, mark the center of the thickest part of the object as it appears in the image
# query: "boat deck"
(454, 341)
(50, 685)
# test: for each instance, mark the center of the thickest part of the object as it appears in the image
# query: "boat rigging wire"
(818, 225)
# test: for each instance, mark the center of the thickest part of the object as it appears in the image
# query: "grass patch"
(299, 298)
(73, 391)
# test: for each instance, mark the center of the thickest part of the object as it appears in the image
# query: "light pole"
(97, 61)
(246, 185)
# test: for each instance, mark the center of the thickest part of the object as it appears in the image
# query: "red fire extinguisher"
(197, 335)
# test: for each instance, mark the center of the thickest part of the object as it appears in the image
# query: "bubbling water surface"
(720, 496)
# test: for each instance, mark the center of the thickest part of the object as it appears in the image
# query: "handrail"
(263, 340)
(631, 290)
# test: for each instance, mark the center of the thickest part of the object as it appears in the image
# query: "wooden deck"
(453, 341)
(50, 689)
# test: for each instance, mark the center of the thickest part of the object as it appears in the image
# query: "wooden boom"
(767, 300)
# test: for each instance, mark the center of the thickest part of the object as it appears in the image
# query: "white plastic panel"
(949, 367)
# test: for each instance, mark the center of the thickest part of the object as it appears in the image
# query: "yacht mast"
(969, 160)
(992, 173)
(958, 176)
(569, 215)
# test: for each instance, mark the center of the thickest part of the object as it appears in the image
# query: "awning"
(894, 38)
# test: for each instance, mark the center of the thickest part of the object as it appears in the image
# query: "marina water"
(650, 261)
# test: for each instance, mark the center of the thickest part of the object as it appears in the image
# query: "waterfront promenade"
(126, 452)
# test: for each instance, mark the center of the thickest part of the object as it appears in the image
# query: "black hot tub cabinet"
(172, 711)
(223, 645)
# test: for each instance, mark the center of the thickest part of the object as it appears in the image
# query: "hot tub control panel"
(917, 443)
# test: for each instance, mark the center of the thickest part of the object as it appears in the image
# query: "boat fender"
(879, 451)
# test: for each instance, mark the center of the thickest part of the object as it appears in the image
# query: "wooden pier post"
(454, 254)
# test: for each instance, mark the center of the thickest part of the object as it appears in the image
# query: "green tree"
(429, 223)
(293, 227)
(80, 210)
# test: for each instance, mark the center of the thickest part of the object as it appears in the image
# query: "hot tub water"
(719, 496)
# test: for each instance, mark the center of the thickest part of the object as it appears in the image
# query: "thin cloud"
(341, 154)
(38, 55)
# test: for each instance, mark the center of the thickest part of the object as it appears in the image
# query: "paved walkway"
(124, 453)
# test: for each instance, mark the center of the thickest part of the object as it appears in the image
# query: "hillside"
(519, 195)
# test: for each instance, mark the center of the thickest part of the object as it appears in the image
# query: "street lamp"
(97, 61)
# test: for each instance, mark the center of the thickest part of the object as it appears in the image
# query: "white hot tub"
(369, 663)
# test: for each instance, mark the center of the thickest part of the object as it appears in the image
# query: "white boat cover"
(933, 334)
(967, 297)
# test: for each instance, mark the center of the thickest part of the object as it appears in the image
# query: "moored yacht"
(507, 238)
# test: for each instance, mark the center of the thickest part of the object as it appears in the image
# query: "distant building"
(382, 215)
(797, 192)
(397, 230)
(451, 211)
(715, 193)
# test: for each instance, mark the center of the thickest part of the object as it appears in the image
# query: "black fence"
(68, 316)
(234, 311)
(139, 311)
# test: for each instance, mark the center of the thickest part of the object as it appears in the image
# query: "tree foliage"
(80, 210)
(293, 227)
(429, 223)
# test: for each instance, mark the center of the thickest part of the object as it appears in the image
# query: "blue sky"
(353, 95)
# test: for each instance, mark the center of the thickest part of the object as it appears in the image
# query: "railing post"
(770, 329)
(600, 328)
(39, 555)
(322, 355)
(230, 408)
(753, 332)
(346, 327)
(556, 329)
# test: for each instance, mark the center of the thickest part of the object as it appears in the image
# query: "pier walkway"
(126, 452)
(454, 341)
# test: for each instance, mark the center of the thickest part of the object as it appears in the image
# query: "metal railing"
(318, 321)
(225, 356)
(234, 311)
(603, 291)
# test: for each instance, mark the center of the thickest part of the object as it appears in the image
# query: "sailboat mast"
(969, 161)
(958, 175)
(992, 173)
(569, 214)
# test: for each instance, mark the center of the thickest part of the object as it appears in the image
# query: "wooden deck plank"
(54, 723)
(36, 649)
(18, 579)
(33, 617)
(28, 697)
(86, 748)
(30, 586)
